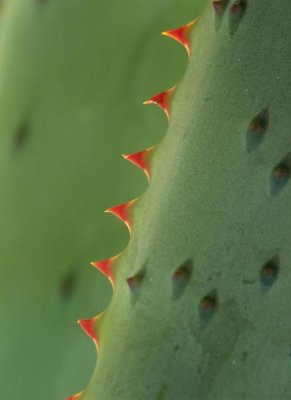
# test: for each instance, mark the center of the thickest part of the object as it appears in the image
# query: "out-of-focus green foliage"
(73, 75)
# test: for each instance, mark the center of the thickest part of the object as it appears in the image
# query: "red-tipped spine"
(106, 267)
(75, 396)
(182, 35)
(88, 326)
(122, 211)
(141, 160)
(163, 100)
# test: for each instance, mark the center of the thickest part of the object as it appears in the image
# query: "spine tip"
(163, 100)
(88, 326)
(141, 160)
(75, 396)
(123, 211)
(182, 34)
(105, 266)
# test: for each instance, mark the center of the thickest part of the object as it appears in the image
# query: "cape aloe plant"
(72, 73)
(201, 302)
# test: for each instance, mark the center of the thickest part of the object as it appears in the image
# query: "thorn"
(75, 396)
(122, 211)
(88, 326)
(182, 35)
(140, 159)
(162, 100)
(105, 266)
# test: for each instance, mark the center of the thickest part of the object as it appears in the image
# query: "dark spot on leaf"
(162, 392)
(257, 129)
(176, 347)
(208, 305)
(244, 356)
(219, 7)
(21, 135)
(280, 175)
(236, 13)
(269, 272)
(181, 277)
(68, 285)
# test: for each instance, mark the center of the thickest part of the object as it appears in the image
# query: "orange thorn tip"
(75, 396)
(140, 159)
(105, 266)
(122, 211)
(88, 326)
(162, 100)
(182, 35)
